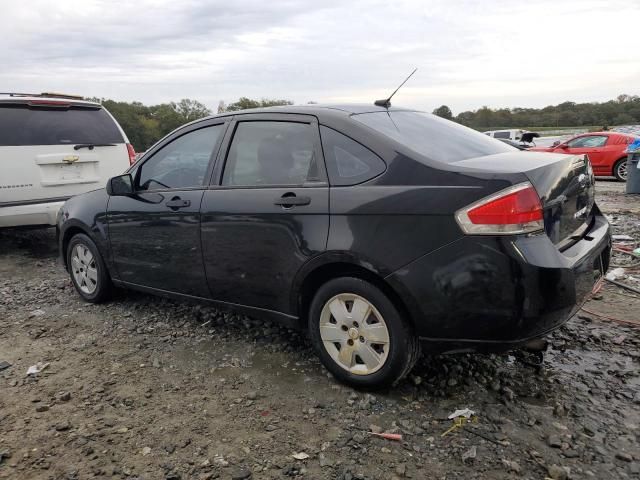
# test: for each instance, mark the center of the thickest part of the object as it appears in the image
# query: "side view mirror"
(120, 186)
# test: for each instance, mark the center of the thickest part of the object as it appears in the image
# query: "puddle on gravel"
(599, 364)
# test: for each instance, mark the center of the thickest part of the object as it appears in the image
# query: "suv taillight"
(511, 211)
(132, 154)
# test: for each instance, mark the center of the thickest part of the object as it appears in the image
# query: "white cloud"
(469, 53)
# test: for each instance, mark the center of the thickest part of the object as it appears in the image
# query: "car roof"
(43, 97)
(318, 109)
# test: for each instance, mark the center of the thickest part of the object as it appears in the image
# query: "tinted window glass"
(182, 163)
(348, 162)
(502, 135)
(434, 137)
(591, 141)
(271, 153)
(20, 125)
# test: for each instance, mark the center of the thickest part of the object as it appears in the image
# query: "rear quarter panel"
(407, 211)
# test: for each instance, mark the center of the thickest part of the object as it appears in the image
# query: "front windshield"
(434, 137)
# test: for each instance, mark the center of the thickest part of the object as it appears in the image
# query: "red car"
(606, 151)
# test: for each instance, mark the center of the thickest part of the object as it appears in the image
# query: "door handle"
(291, 200)
(177, 202)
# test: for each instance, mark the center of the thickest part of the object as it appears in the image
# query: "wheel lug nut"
(362, 339)
(355, 324)
(344, 327)
(350, 342)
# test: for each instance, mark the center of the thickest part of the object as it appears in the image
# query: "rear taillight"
(132, 154)
(511, 211)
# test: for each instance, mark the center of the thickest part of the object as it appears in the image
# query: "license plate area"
(69, 173)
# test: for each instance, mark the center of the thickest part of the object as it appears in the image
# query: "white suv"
(52, 147)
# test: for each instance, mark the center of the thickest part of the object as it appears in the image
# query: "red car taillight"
(511, 211)
(132, 154)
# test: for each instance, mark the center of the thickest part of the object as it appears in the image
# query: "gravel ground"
(148, 388)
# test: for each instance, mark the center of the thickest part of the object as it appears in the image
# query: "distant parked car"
(377, 230)
(52, 147)
(513, 134)
(606, 151)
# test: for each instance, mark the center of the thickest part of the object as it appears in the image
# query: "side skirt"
(290, 321)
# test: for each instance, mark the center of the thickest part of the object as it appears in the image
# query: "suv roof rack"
(44, 95)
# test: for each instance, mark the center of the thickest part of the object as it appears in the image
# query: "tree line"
(146, 124)
(625, 109)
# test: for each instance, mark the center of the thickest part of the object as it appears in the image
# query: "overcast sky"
(468, 53)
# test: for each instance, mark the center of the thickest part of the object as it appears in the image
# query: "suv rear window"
(22, 125)
(435, 138)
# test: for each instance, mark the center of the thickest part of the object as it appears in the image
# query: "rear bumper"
(30, 214)
(492, 293)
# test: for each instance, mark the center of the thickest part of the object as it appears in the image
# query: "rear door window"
(348, 162)
(23, 125)
(270, 153)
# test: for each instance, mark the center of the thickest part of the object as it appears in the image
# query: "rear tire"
(360, 335)
(620, 170)
(87, 270)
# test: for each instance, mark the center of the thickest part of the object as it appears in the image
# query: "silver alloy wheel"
(354, 334)
(83, 268)
(622, 170)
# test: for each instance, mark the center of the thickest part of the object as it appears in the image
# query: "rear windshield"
(21, 125)
(435, 138)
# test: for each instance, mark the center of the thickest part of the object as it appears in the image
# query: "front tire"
(360, 335)
(620, 170)
(87, 270)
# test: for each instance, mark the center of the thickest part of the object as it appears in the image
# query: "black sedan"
(380, 230)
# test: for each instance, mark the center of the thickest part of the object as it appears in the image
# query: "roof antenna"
(386, 103)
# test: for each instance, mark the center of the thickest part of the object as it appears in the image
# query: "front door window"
(181, 164)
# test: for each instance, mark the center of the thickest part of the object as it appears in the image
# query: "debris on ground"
(37, 368)
(469, 454)
(465, 413)
(615, 274)
(388, 436)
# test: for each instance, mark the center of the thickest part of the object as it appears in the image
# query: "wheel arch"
(321, 273)
(68, 233)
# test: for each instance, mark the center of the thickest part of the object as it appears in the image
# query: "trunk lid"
(565, 184)
(567, 191)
